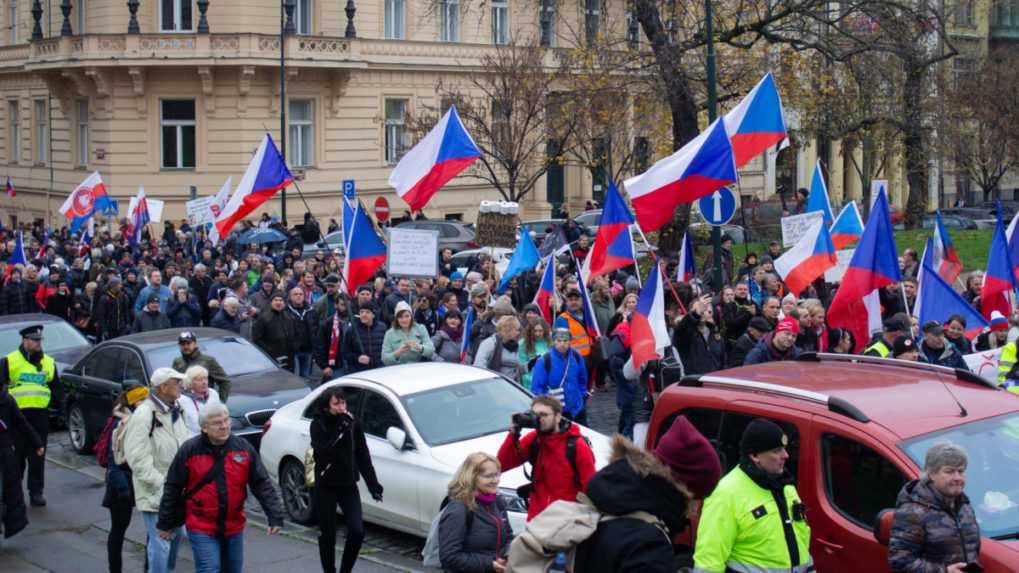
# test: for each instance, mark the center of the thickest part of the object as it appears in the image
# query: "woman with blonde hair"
(196, 395)
(498, 352)
(474, 530)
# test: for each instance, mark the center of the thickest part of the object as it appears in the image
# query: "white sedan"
(420, 421)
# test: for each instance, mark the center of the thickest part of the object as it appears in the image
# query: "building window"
(302, 17)
(962, 69)
(301, 119)
(500, 22)
(175, 16)
(14, 130)
(546, 22)
(12, 20)
(394, 19)
(641, 154)
(450, 20)
(79, 18)
(964, 16)
(177, 126)
(396, 129)
(42, 131)
(632, 30)
(82, 135)
(592, 19)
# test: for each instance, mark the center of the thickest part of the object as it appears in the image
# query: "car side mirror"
(883, 526)
(396, 437)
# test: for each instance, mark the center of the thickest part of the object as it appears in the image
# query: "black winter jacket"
(700, 354)
(274, 333)
(341, 453)
(360, 339)
(735, 357)
(145, 321)
(18, 298)
(113, 315)
(15, 517)
(473, 550)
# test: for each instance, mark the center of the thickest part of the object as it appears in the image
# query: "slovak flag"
(613, 245)
(945, 259)
(809, 258)
(546, 289)
(86, 238)
(939, 301)
(817, 199)
(757, 122)
(1013, 244)
(266, 174)
(465, 343)
(446, 151)
(848, 226)
(219, 201)
(87, 198)
(17, 257)
(10, 188)
(702, 166)
(366, 254)
(875, 265)
(649, 334)
(138, 217)
(999, 278)
(687, 268)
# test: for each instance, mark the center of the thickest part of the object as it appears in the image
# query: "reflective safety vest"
(881, 347)
(1006, 360)
(30, 387)
(743, 528)
(580, 340)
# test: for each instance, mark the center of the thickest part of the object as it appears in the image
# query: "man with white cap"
(153, 435)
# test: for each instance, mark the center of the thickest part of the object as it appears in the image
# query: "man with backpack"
(152, 437)
(561, 373)
(559, 455)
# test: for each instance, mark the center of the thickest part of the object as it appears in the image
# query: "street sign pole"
(716, 232)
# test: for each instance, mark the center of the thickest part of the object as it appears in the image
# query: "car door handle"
(829, 545)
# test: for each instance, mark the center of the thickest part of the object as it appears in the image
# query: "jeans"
(302, 364)
(162, 554)
(214, 555)
(625, 426)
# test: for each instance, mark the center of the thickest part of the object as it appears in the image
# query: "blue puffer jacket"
(568, 371)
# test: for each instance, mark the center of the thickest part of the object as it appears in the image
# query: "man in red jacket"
(560, 457)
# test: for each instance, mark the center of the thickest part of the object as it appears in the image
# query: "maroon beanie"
(691, 458)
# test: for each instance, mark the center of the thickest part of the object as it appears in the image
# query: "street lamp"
(716, 231)
(286, 29)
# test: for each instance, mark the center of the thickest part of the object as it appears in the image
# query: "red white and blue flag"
(613, 245)
(817, 199)
(366, 254)
(1000, 279)
(590, 322)
(809, 258)
(17, 257)
(267, 173)
(848, 226)
(687, 268)
(85, 248)
(138, 217)
(757, 122)
(465, 343)
(875, 265)
(649, 334)
(446, 151)
(701, 167)
(43, 243)
(87, 198)
(9, 188)
(546, 289)
(937, 300)
(944, 258)
(1013, 244)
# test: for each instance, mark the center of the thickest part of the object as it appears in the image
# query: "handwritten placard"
(199, 210)
(794, 226)
(412, 253)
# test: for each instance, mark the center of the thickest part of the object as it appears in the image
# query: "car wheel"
(81, 440)
(296, 495)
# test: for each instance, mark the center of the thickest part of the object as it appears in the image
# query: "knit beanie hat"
(690, 457)
(789, 324)
(762, 435)
(998, 321)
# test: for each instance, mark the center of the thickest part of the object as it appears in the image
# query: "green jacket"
(395, 337)
(217, 376)
(604, 310)
(741, 529)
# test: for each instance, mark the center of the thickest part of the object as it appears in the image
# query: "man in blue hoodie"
(561, 373)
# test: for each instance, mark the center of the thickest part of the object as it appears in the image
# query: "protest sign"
(794, 226)
(199, 211)
(412, 253)
(984, 364)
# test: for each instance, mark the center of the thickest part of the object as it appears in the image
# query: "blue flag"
(525, 258)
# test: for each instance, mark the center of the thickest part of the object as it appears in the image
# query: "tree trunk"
(916, 151)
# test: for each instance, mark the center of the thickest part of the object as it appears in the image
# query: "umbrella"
(261, 236)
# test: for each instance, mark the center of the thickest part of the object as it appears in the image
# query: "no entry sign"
(381, 209)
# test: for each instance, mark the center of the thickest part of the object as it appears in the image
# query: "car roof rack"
(834, 403)
(960, 375)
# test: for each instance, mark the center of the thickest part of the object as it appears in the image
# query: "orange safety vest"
(580, 340)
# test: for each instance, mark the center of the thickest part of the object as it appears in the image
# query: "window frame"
(632, 30)
(80, 17)
(396, 129)
(500, 24)
(394, 19)
(298, 155)
(82, 134)
(12, 21)
(547, 23)
(592, 14)
(177, 25)
(40, 131)
(14, 146)
(449, 20)
(304, 17)
(179, 124)
(824, 442)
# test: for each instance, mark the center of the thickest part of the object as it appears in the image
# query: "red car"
(858, 430)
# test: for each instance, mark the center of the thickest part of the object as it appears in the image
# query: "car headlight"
(512, 501)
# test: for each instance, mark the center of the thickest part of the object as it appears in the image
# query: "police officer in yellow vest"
(31, 376)
(754, 520)
(891, 329)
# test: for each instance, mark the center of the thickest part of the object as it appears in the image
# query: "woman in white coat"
(195, 396)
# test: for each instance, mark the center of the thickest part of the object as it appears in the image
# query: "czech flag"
(590, 322)
(848, 226)
(367, 252)
(1013, 244)
(1000, 277)
(465, 343)
(702, 166)
(945, 258)
(649, 334)
(543, 298)
(17, 257)
(9, 188)
(87, 198)
(86, 238)
(809, 258)
(937, 300)
(757, 122)
(687, 268)
(267, 173)
(817, 199)
(138, 217)
(446, 151)
(525, 258)
(875, 264)
(613, 245)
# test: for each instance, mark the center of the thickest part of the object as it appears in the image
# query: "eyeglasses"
(543, 414)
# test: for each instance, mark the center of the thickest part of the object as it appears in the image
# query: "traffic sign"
(381, 209)
(348, 189)
(718, 207)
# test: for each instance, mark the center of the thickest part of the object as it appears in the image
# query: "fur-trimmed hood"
(635, 480)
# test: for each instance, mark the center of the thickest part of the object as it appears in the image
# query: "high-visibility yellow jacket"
(879, 348)
(30, 387)
(742, 528)
(1006, 360)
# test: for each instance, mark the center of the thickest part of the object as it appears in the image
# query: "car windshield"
(57, 336)
(235, 355)
(993, 449)
(465, 411)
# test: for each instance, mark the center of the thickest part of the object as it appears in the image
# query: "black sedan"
(61, 341)
(258, 385)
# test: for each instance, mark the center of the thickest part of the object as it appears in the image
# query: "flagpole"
(665, 276)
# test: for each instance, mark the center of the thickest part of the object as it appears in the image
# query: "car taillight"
(472, 244)
(266, 426)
